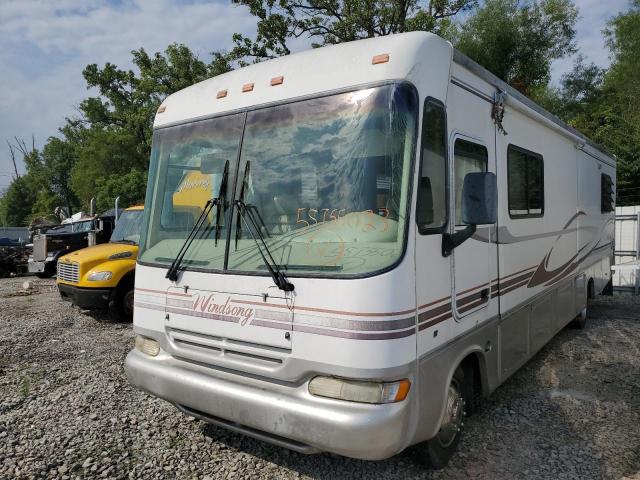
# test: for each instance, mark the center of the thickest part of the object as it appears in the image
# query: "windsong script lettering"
(208, 304)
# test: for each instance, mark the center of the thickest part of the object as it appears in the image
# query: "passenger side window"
(607, 197)
(468, 157)
(431, 207)
(525, 172)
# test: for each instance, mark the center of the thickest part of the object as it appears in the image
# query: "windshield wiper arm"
(172, 272)
(252, 208)
(279, 278)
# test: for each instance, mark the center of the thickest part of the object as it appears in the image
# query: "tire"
(49, 271)
(580, 322)
(437, 452)
(121, 308)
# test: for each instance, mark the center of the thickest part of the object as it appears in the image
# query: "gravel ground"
(67, 411)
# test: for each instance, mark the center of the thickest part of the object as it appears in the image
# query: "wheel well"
(471, 367)
(127, 280)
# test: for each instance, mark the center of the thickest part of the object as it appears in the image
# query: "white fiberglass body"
(354, 186)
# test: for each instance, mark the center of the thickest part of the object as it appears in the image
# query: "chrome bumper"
(287, 416)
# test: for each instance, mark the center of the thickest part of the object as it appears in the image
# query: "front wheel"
(122, 306)
(438, 451)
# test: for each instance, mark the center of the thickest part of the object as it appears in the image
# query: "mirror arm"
(453, 240)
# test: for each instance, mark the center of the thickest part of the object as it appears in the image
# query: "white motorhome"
(345, 248)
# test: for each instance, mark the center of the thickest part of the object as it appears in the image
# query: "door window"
(431, 210)
(468, 157)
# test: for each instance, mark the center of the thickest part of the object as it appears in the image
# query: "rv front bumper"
(86, 298)
(288, 416)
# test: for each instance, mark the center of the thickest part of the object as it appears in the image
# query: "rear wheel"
(437, 451)
(580, 322)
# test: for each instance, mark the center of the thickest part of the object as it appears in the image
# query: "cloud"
(594, 15)
(44, 46)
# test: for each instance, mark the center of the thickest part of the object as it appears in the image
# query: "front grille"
(69, 272)
(211, 349)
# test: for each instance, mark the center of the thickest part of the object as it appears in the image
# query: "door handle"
(484, 293)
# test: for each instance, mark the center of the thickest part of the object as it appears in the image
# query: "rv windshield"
(128, 227)
(326, 178)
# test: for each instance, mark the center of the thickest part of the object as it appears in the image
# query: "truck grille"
(39, 248)
(69, 272)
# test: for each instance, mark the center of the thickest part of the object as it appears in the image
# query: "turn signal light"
(147, 345)
(359, 391)
(221, 94)
(162, 108)
(247, 87)
(277, 81)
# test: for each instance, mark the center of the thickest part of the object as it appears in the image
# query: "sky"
(45, 44)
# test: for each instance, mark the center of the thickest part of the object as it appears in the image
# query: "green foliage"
(336, 21)
(130, 187)
(517, 41)
(17, 202)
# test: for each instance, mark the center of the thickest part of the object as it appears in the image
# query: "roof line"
(461, 59)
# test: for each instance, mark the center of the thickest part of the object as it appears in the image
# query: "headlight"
(147, 345)
(99, 276)
(358, 391)
(118, 256)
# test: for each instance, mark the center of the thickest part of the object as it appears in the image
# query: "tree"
(517, 40)
(578, 91)
(17, 202)
(112, 136)
(337, 21)
(129, 187)
(613, 116)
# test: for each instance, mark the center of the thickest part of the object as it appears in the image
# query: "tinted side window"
(431, 210)
(526, 183)
(469, 157)
(607, 197)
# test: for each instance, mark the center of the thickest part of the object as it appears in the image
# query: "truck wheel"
(436, 452)
(49, 271)
(122, 306)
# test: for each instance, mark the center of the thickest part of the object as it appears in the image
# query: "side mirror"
(424, 214)
(479, 207)
(100, 225)
(480, 198)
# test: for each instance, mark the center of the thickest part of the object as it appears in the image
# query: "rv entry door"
(471, 261)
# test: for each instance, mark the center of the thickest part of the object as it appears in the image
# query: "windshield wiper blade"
(172, 272)
(279, 278)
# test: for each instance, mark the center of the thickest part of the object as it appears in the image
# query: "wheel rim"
(128, 303)
(453, 415)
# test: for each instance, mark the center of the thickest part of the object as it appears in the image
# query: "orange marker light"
(403, 390)
(277, 81)
(161, 109)
(221, 94)
(382, 58)
(247, 87)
